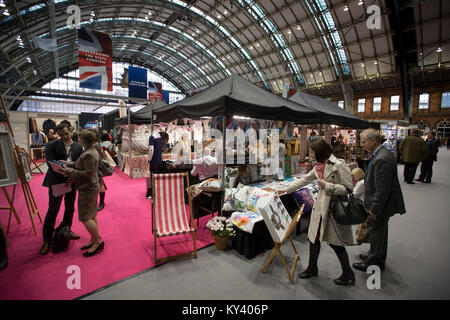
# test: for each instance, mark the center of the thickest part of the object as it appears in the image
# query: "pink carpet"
(124, 224)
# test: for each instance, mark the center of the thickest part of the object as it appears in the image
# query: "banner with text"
(154, 90)
(137, 82)
(95, 59)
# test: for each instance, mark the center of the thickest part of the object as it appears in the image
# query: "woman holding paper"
(334, 178)
(84, 172)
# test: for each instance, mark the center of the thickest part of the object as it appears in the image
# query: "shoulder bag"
(348, 210)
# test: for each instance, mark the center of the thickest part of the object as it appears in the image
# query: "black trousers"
(426, 170)
(409, 171)
(54, 204)
(378, 238)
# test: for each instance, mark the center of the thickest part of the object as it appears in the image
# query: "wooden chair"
(169, 215)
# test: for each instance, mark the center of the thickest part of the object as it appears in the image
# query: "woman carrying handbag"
(334, 178)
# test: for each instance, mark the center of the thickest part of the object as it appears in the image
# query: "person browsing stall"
(383, 198)
(61, 149)
(84, 173)
(333, 177)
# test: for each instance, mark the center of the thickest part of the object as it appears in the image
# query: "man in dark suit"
(66, 150)
(426, 169)
(383, 198)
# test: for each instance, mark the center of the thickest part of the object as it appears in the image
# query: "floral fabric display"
(235, 199)
(254, 195)
(307, 196)
(231, 177)
(245, 221)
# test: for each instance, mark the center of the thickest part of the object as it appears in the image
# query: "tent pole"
(223, 163)
(130, 153)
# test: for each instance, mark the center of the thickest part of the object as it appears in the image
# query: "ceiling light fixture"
(257, 44)
(6, 13)
(346, 8)
(149, 13)
(225, 12)
(375, 62)
(362, 65)
(251, 47)
(360, 3)
(439, 49)
(219, 16)
(298, 27)
(34, 71)
(2, 4)
(289, 31)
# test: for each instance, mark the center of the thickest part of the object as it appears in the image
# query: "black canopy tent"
(331, 112)
(142, 116)
(107, 120)
(235, 96)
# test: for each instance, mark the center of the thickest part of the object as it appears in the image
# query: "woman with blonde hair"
(362, 230)
(84, 173)
(358, 183)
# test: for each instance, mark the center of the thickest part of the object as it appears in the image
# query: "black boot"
(348, 276)
(102, 201)
(312, 270)
(3, 254)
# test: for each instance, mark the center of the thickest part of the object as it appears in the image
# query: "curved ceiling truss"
(315, 44)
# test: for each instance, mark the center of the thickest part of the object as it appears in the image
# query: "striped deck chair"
(169, 215)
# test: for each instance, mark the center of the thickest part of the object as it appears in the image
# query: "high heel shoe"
(97, 250)
(308, 273)
(345, 280)
(85, 247)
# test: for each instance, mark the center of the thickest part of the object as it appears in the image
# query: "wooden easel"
(33, 210)
(36, 165)
(11, 207)
(277, 248)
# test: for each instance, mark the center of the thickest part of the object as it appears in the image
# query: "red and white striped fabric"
(170, 210)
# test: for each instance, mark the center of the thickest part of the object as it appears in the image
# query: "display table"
(137, 167)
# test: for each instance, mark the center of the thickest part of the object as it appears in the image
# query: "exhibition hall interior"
(224, 150)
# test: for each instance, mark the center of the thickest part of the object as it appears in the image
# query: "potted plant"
(222, 229)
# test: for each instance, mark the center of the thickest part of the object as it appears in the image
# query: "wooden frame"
(277, 248)
(8, 170)
(26, 173)
(191, 224)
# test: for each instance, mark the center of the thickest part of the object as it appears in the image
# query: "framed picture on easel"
(25, 167)
(8, 173)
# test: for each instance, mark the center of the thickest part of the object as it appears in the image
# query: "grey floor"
(417, 267)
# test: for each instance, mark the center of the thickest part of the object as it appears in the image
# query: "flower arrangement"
(221, 227)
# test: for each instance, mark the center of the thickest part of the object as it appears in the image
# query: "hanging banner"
(165, 96)
(122, 111)
(137, 82)
(154, 90)
(95, 59)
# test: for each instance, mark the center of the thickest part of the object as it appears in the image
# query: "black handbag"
(348, 210)
(105, 169)
(61, 238)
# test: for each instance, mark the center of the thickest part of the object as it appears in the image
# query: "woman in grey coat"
(333, 176)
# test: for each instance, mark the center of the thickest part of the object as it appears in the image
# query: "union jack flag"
(95, 59)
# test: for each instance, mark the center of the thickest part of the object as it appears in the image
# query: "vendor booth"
(235, 103)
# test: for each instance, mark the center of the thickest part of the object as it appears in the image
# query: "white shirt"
(68, 146)
(358, 190)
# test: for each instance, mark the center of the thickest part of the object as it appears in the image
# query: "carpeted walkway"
(125, 226)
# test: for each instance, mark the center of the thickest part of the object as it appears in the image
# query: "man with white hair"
(382, 196)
